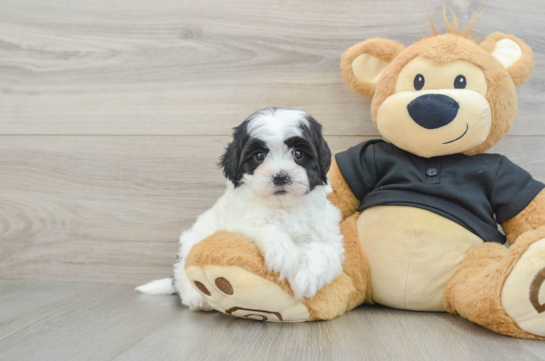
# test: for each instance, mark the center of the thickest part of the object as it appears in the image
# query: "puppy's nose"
(281, 178)
(433, 111)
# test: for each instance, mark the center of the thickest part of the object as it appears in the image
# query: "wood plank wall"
(113, 113)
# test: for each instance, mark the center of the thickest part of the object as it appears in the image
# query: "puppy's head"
(279, 154)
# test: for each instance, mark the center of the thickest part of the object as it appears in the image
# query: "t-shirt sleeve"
(513, 189)
(357, 166)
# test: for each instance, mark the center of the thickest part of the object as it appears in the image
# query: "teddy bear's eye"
(419, 82)
(460, 82)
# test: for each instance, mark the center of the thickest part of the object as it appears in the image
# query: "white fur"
(272, 126)
(163, 286)
(298, 232)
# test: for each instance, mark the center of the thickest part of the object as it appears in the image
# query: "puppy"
(276, 196)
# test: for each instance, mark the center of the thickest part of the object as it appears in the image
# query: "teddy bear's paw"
(523, 294)
(234, 291)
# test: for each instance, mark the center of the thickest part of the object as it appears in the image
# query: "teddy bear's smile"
(460, 137)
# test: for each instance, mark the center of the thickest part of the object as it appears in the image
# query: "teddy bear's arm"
(532, 217)
(342, 197)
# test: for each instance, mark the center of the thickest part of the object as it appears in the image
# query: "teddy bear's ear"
(515, 56)
(363, 63)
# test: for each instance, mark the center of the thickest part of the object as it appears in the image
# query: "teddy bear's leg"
(503, 289)
(230, 273)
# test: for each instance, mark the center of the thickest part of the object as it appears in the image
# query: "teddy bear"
(420, 207)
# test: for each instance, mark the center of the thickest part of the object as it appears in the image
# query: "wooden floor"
(91, 321)
(113, 114)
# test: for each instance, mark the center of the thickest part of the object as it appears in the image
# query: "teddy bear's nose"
(433, 111)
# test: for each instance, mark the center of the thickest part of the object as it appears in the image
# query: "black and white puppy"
(276, 196)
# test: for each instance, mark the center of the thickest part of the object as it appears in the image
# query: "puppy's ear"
(515, 56)
(230, 160)
(229, 163)
(323, 152)
(324, 159)
(363, 63)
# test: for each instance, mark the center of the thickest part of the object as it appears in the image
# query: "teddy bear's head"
(445, 94)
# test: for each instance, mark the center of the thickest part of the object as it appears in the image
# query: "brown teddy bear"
(421, 207)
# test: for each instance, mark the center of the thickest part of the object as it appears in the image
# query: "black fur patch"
(318, 166)
(239, 156)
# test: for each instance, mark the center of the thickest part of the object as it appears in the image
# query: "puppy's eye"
(419, 82)
(460, 82)
(259, 156)
(297, 154)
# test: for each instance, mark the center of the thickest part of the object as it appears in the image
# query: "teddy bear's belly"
(412, 253)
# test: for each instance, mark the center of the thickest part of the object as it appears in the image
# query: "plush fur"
(342, 196)
(383, 49)
(474, 291)
(522, 70)
(532, 217)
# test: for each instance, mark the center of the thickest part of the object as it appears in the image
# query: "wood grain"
(200, 67)
(111, 208)
(112, 322)
(18, 300)
(93, 324)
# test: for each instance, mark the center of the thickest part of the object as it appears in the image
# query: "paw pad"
(224, 286)
(202, 288)
(534, 291)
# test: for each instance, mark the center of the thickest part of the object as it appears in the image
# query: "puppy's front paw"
(201, 306)
(282, 258)
(306, 283)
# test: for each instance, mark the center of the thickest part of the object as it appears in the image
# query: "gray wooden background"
(113, 113)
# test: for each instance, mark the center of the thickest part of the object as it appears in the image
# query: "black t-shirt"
(469, 190)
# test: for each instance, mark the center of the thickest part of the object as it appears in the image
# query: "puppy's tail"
(163, 286)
